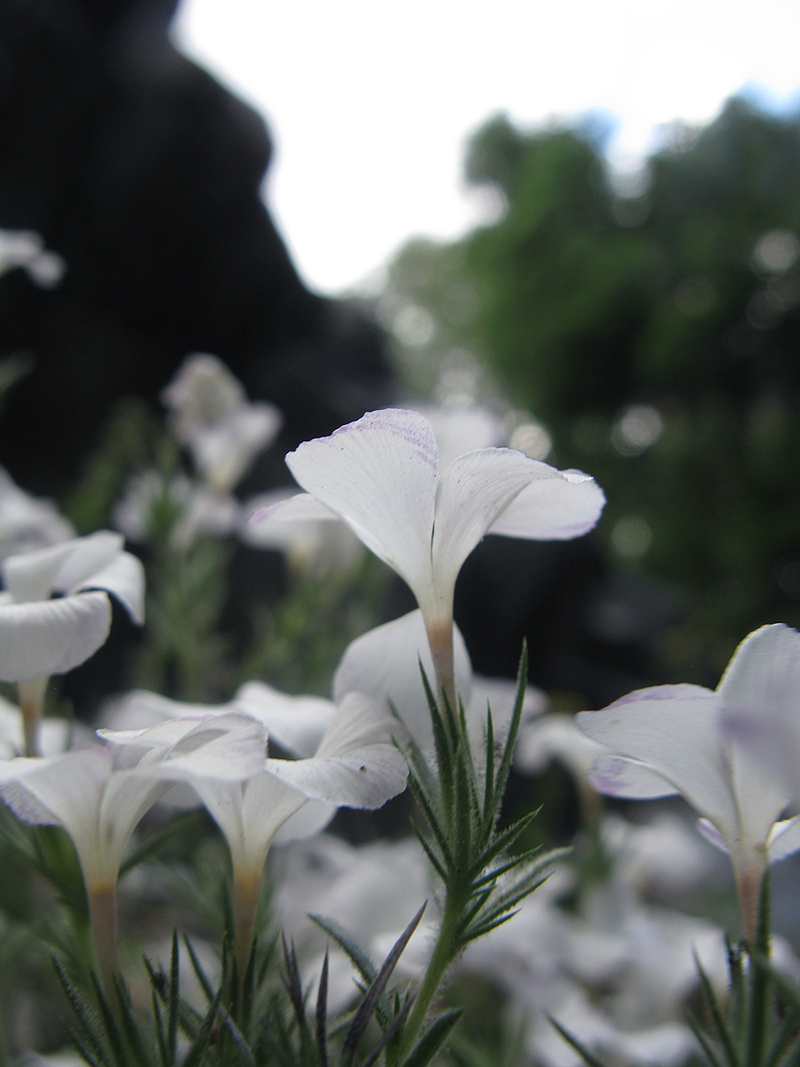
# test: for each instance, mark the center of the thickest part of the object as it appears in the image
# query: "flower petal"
(472, 495)
(617, 776)
(675, 730)
(784, 839)
(123, 578)
(356, 766)
(554, 506)
(296, 723)
(379, 475)
(51, 636)
(385, 664)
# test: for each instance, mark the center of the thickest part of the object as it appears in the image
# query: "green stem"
(442, 956)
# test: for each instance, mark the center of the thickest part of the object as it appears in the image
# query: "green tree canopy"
(655, 333)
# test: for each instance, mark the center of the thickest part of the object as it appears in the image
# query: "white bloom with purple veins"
(674, 739)
(381, 475)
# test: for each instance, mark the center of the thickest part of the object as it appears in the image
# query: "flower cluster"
(602, 950)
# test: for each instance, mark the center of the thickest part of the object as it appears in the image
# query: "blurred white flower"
(552, 962)
(461, 428)
(381, 475)
(40, 636)
(24, 248)
(371, 891)
(355, 765)
(55, 735)
(26, 522)
(555, 738)
(211, 416)
(98, 795)
(673, 739)
(314, 547)
(197, 509)
(385, 663)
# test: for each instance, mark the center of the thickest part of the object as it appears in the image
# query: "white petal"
(224, 745)
(712, 835)
(676, 731)
(286, 506)
(555, 506)
(356, 765)
(385, 664)
(51, 636)
(89, 556)
(249, 814)
(784, 839)
(379, 474)
(308, 820)
(73, 789)
(32, 576)
(472, 495)
(760, 690)
(123, 578)
(764, 673)
(617, 776)
(296, 723)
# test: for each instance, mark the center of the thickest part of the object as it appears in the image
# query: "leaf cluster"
(484, 880)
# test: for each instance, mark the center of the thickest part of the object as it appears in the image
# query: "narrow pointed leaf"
(361, 961)
(571, 1040)
(321, 1016)
(390, 1032)
(432, 1040)
(720, 1026)
(708, 1048)
(375, 991)
(200, 974)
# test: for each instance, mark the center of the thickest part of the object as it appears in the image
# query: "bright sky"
(370, 104)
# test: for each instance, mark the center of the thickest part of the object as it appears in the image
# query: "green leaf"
(375, 991)
(363, 964)
(433, 1038)
(200, 974)
(89, 1035)
(704, 1041)
(759, 982)
(511, 740)
(321, 1015)
(589, 1057)
(723, 1033)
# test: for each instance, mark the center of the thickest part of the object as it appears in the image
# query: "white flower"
(213, 418)
(313, 546)
(40, 636)
(25, 248)
(355, 765)
(196, 509)
(385, 663)
(381, 475)
(26, 522)
(672, 739)
(98, 795)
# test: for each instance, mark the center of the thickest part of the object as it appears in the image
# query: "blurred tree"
(653, 326)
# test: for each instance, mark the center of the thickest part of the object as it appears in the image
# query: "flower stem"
(31, 702)
(440, 639)
(103, 920)
(444, 952)
(246, 890)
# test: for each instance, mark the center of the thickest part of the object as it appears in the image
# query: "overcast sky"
(370, 104)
